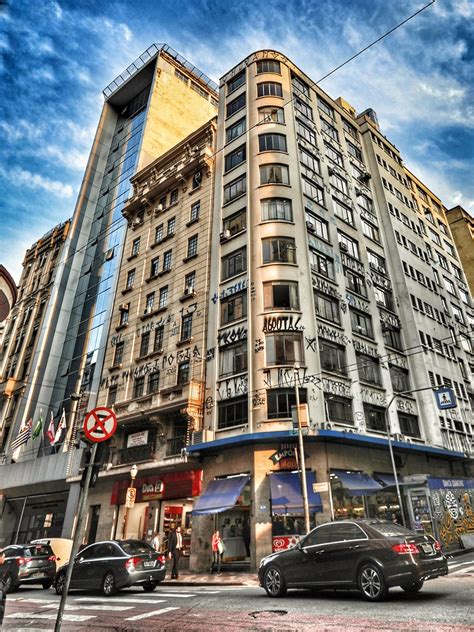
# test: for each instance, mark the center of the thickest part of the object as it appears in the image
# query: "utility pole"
(304, 486)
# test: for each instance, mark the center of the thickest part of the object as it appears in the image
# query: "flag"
(51, 431)
(22, 437)
(60, 428)
(39, 426)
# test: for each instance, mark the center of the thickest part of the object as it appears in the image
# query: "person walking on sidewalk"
(155, 543)
(175, 546)
(218, 549)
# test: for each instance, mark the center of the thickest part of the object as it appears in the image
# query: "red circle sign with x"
(100, 424)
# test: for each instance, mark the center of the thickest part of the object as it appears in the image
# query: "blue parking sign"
(445, 398)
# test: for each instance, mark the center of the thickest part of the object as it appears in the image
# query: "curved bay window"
(274, 174)
(276, 210)
(284, 348)
(278, 250)
(280, 295)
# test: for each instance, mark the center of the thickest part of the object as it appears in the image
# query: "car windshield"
(38, 550)
(390, 529)
(135, 547)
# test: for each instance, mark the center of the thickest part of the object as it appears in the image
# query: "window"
(159, 234)
(329, 130)
(356, 283)
(364, 202)
(318, 226)
(186, 327)
(235, 158)
(135, 246)
(377, 262)
(269, 88)
(233, 359)
(325, 107)
(434, 237)
(375, 418)
(384, 297)
(234, 263)
(163, 299)
(195, 209)
(370, 231)
(300, 86)
(144, 344)
(276, 209)
(280, 295)
(190, 281)
(173, 197)
(443, 262)
(309, 161)
(184, 370)
(450, 248)
(369, 369)
(171, 227)
(392, 337)
(350, 129)
(124, 314)
(449, 286)
(333, 356)
(334, 155)
(271, 114)
(236, 82)
(280, 401)
(457, 313)
(130, 279)
(192, 246)
(457, 272)
(235, 105)
(154, 266)
(138, 387)
(112, 395)
(274, 174)
(343, 212)
(305, 132)
(284, 349)
(400, 378)
(278, 249)
(233, 308)
(235, 130)
(196, 179)
(409, 425)
(159, 336)
(232, 412)
(339, 409)
(361, 323)
(313, 191)
(327, 307)
(235, 189)
(348, 245)
(354, 151)
(339, 183)
(150, 299)
(167, 260)
(268, 65)
(464, 295)
(118, 354)
(323, 265)
(272, 142)
(304, 109)
(153, 382)
(236, 222)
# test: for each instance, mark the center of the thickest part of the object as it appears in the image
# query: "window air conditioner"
(343, 246)
(398, 437)
(310, 226)
(201, 436)
(188, 290)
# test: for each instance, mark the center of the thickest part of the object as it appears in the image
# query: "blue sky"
(57, 56)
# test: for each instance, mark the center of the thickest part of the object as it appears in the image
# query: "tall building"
(8, 295)
(461, 224)
(159, 100)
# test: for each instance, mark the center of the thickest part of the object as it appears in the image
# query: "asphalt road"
(444, 604)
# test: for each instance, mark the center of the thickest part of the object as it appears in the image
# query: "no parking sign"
(100, 424)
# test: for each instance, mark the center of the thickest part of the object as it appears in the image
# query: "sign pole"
(77, 537)
(304, 487)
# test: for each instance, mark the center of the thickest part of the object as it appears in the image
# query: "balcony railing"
(136, 454)
(175, 445)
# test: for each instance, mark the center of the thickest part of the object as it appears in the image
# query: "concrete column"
(71, 507)
(260, 519)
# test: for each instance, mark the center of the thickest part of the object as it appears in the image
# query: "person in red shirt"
(217, 550)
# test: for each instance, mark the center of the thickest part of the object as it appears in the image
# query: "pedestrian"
(246, 535)
(155, 543)
(218, 549)
(175, 547)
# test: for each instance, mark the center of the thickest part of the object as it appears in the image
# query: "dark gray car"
(27, 564)
(114, 564)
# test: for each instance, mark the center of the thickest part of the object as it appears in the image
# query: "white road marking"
(458, 564)
(469, 569)
(125, 599)
(93, 607)
(186, 596)
(31, 600)
(150, 614)
(73, 618)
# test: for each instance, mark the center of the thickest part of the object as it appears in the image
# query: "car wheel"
(60, 583)
(149, 586)
(274, 582)
(47, 584)
(9, 585)
(109, 587)
(413, 588)
(372, 583)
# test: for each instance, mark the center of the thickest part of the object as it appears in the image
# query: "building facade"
(461, 224)
(8, 294)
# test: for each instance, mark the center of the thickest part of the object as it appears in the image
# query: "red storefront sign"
(164, 486)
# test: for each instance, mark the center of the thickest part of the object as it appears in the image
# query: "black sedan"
(27, 564)
(112, 565)
(371, 555)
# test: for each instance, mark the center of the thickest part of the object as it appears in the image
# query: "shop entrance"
(419, 509)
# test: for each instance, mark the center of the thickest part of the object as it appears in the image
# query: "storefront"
(30, 517)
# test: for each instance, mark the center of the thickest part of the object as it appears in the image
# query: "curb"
(459, 552)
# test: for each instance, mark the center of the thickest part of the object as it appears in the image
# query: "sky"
(57, 56)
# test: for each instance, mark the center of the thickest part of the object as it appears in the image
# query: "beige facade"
(461, 224)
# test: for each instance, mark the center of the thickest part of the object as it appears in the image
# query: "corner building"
(306, 293)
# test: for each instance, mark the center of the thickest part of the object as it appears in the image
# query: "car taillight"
(405, 549)
(437, 546)
(52, 558)
(23, 561)
(161, 559)
(132, 563)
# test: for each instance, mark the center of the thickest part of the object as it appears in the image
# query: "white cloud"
(21, 177)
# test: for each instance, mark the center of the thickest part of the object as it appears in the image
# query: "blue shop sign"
(445, 398)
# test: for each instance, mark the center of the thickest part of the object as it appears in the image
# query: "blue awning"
(287, 499)
(358, 483)
(220, 494)
(386, 479)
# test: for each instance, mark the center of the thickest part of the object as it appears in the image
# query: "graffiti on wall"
(452, 503)
(281, 323)
(232, 387)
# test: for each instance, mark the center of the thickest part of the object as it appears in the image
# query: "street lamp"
(304, 487)
(133, 476)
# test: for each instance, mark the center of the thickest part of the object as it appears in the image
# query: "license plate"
(148, 564)
(427, 548)
(38, 575)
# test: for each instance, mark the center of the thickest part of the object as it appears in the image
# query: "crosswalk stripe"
(125, 599)
(180, 595)
(93, 606)
(32, 600)
(469, 569)
(73, 618)
(150, 614)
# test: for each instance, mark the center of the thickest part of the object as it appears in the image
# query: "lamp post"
(304, 487)
(133, 476)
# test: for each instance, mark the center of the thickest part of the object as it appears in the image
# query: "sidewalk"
(187, 578)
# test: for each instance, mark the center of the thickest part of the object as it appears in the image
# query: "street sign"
(445, 398)
(100, 424)
(130, 498)
(320, 487)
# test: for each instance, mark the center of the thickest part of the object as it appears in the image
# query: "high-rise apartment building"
(159, 100)
(461, 224)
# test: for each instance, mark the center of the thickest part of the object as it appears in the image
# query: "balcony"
(136, 454)
(175, 445)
